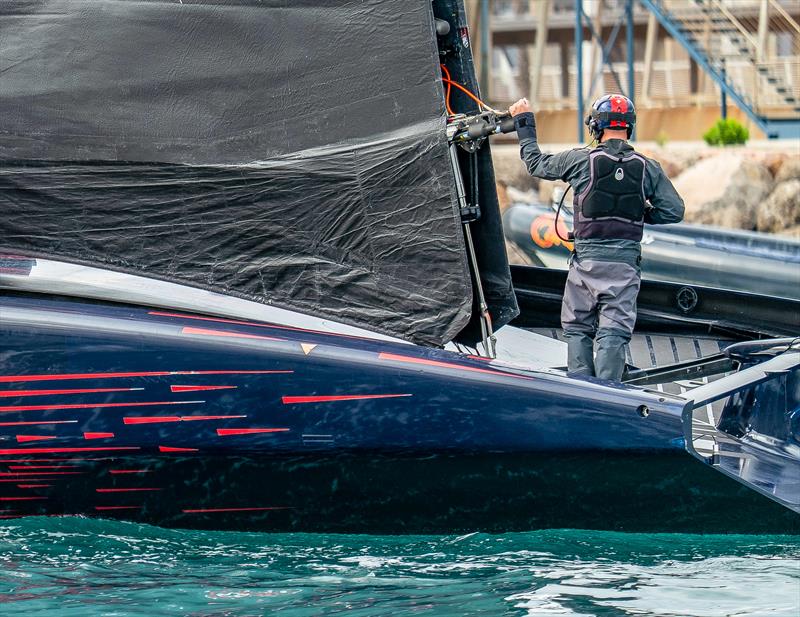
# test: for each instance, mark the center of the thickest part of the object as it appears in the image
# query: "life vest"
(612, 205)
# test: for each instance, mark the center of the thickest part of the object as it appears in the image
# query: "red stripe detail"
(15, 474)
(34, 485)
(149, 419)
(194, 418)
(25, 438)
(38, 423)
(26, 479)
(397, 358)
(202, 510)
(42, 466)
(102, 508)
(116, 471)
(21, 498)
(124, 490)
(68, 459)
(98, 435)
(154, 419)
(62, 450)
(253, 324)
(171, 449)
(70, 376)
(14, 393)
(223, 333)
(289, 400)
(249, 431)
(197, 388)
(226, 334)
(95, 405)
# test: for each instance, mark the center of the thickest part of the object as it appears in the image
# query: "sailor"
(616, 191)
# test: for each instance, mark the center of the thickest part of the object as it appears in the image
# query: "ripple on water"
(74, 567)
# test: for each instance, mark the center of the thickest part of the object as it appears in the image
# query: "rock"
(509, 169)
(673, 162)
(724, 190)
(774, 161)
(789, 169)
(546, 189)
(792, 232)
(781, 209)
(502, 196)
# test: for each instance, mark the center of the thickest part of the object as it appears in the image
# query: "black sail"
(290, 152)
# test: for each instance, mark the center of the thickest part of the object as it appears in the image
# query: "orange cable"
(469, 94)
(447, 95)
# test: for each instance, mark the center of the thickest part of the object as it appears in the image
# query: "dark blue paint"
(449, 408)
(508, 449)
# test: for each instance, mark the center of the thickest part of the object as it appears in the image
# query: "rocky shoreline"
(754, 187)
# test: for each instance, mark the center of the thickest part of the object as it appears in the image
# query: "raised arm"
(560, 166)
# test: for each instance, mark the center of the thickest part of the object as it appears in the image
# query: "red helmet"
(612, 111)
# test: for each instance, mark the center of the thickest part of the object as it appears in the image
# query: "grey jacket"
(572, 166)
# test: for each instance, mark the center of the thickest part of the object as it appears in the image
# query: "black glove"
(525, 125)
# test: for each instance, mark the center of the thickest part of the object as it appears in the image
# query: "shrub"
(662, 138)
(726, 133)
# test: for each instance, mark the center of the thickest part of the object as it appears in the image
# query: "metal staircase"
(730, 42)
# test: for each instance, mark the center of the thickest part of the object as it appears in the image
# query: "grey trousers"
(599, 307)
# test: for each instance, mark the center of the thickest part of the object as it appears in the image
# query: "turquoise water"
(70, 566)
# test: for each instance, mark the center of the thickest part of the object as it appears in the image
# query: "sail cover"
(290, 152)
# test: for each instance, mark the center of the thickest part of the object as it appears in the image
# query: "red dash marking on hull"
(34, 485)
(198, 388)
(256, 325)
(397, 358)
(38, 423)
(21, 498)
(196, 418)
(24, 438)
(15, 393)
(149, 419)
(98, 435)
(63, 450)
(13, 515)
(290, 400)
(103, 508)
(155, 419)
(249, 431)
(28, 479)
(42, 466)
(172, 449)
(71, 376)
(210, 510)
(116, 471)
(52, 460)
(226, 334)
(95, 405)
(39, 473)
(217, 319)
(124, 490)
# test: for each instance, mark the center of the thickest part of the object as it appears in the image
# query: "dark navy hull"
(193, 421)
(380, 492)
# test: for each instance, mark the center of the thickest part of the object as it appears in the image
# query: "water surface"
(73, 567)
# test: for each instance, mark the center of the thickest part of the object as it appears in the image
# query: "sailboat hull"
(187, 420)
